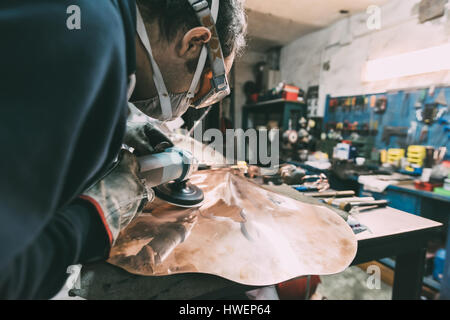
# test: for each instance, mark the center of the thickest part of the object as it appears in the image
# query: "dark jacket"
(63, 109)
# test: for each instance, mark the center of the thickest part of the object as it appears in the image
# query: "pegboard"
(400, 112)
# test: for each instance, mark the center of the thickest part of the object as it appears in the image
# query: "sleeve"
(74, 236)
(63, 96)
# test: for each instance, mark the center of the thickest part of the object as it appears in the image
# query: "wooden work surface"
(389, 221)
(391, 232)
(381, 222)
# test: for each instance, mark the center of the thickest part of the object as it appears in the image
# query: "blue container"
(439, 263)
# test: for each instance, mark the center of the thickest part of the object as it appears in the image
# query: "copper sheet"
(243, 233)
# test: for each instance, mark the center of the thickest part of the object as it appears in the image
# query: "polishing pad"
(181, 194)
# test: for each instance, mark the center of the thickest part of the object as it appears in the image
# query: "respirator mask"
(213, 85)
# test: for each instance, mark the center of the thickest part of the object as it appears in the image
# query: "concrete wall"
(244, 72)
(348, 44)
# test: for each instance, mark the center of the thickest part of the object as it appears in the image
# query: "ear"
(193, 41)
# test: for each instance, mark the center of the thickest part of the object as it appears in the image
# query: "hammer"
(347, 206)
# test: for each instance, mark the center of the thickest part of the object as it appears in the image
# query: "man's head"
(177, 39)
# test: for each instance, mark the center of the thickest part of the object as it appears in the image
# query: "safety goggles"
(214, 84)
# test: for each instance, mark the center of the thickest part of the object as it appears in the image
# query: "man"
(63, 112)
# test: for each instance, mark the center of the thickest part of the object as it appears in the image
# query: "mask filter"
(179, 105)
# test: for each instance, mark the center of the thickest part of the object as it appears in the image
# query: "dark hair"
(174, 16)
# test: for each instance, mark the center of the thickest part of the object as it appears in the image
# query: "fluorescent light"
(408, 64)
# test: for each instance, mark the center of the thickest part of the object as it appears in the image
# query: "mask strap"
(131, 85)
(164, 99)
(203, 55)
(198, 72)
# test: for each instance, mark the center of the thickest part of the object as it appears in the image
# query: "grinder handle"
(173, 164)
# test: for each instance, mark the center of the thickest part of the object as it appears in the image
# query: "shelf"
(269, 102)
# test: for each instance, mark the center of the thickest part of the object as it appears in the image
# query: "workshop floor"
(352, 285)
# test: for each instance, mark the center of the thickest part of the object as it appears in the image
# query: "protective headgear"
(214, 86)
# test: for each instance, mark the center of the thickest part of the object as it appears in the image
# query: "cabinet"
(280, 110)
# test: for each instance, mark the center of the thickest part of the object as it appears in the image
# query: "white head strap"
(164, 98)
(203, 54)
(166, 106)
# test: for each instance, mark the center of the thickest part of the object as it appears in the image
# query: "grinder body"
(168, 173)
(172, 165)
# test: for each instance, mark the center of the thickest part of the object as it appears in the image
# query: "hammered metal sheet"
(242, 232)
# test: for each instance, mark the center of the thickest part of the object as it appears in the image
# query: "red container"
(297, 289)
(254, 97)
(290, 93)
(426, 186)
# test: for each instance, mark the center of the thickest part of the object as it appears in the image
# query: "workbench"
(395, 233)
(403, 196)
(407, 198)
(418, 202)
(392, 233)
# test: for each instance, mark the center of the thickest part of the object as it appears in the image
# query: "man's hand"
(120, 196)
(144, 134)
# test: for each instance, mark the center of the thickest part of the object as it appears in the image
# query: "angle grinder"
(168, 174)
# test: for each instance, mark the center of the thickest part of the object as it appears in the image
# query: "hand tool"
(320, 182)
(168, 173)
(388, 132)
(347, 206)
(337, 202)
(428, 116)
(411, 137)
(356, 210)
(330, 194)
(381, 105)
(405, 107)
(302, 188)
(424, 133)
(356, 226)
